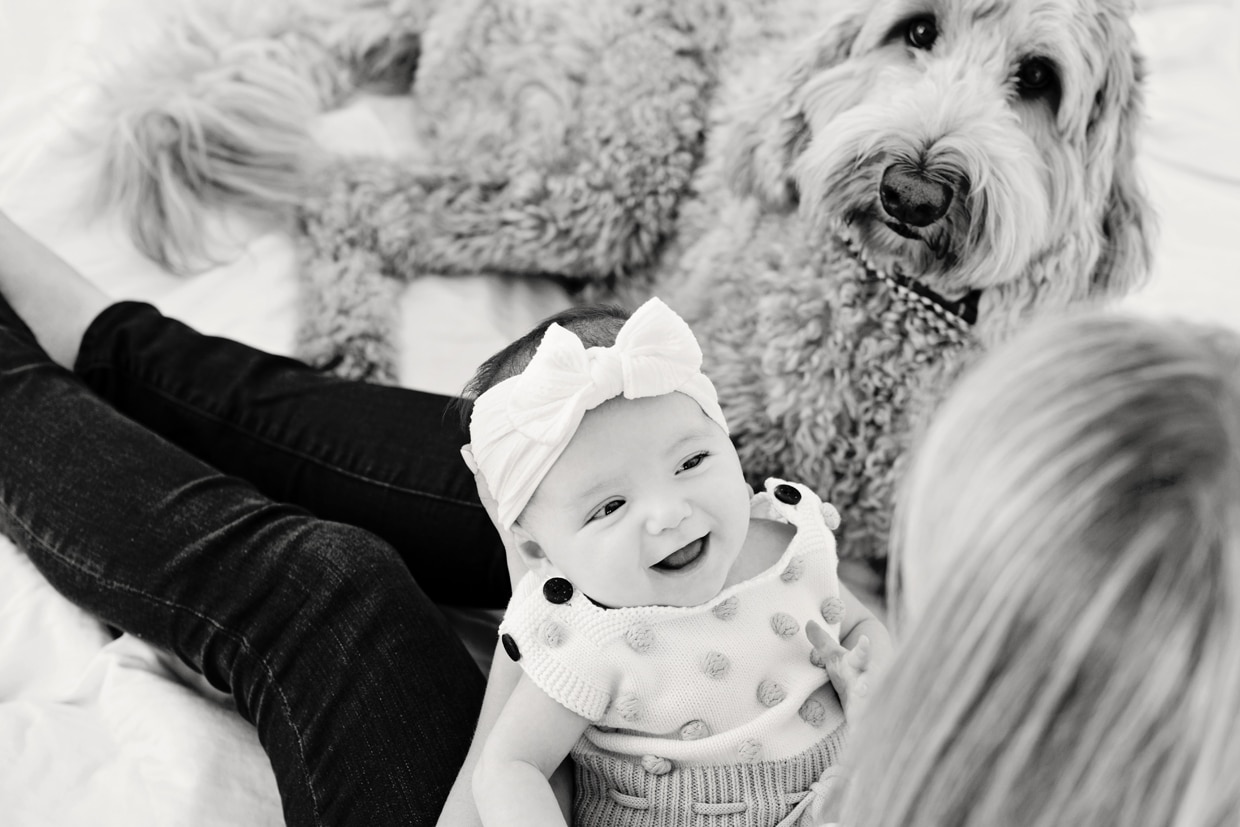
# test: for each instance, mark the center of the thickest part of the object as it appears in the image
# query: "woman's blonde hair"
(1080, 663)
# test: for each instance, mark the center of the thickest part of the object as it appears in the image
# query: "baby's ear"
(529, 549)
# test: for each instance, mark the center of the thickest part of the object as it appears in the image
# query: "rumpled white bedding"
(101, 732)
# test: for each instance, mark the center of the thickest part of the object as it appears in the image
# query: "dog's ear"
(771, 132)
(1127, 218)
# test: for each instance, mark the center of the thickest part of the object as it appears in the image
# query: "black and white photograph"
(619, 413)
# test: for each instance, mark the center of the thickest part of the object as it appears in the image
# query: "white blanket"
(101, 732)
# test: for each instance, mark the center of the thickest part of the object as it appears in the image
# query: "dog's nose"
(911, 198)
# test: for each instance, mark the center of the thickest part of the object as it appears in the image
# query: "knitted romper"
(710, 715)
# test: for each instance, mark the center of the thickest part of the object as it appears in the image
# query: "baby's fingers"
(828, 647)
(859, 656)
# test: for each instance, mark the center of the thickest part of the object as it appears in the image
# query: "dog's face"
(959, 142)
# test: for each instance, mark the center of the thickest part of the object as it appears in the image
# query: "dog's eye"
(1036, 78)
(921, 32)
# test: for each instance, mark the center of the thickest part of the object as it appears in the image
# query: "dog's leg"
(587, 190)
(349, 322)
(349, 318)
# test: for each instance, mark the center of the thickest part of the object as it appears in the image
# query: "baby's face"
(646, 506)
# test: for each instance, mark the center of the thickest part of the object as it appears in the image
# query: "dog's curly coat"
(845, 204)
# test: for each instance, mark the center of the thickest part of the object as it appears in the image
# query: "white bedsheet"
(100, 732)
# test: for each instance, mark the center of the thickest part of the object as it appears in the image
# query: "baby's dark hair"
(596, 325)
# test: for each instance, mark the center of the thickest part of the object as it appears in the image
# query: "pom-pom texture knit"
(724, 682)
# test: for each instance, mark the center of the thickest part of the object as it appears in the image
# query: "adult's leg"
(383, 458)
(362, 695)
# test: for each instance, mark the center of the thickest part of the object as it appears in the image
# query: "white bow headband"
(519, 427)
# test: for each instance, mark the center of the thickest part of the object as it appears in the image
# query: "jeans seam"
(285, 706)
(211, 416)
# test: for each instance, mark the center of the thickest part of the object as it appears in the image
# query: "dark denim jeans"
(285, 533)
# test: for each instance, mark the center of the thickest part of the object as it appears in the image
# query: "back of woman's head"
(1076, 662)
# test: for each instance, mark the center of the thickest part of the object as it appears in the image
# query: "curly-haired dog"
(918, 179)
(554, 138)
(923, 177)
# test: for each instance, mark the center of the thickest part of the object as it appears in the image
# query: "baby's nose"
(666, 515)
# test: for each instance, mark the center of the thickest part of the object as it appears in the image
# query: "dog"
(922, 178)
(847, 201)
(963, 143)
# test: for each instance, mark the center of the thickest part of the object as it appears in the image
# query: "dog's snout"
(912, 198)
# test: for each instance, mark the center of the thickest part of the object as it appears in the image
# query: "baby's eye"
(694, 461)
(606, 509)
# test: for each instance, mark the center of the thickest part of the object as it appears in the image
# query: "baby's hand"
(848, 669)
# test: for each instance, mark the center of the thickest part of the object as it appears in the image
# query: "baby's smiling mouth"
(684, 557)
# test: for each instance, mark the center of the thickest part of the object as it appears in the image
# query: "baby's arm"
(861, 655)
(460, 809)
(860, 622)
(528, 741)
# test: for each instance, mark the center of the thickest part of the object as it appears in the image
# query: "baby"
(669, 615)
